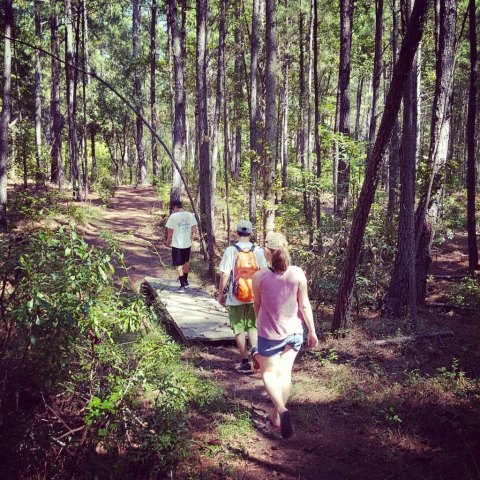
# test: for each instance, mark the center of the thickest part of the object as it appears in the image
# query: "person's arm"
(306, 309)
(168, 241)
(257, 299)
(221, 287)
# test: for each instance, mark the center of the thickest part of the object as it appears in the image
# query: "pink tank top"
(279, 314)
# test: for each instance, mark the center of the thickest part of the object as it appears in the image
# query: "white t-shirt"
(228, 264)
(181, 223)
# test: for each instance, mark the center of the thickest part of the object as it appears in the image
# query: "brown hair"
(280, 260)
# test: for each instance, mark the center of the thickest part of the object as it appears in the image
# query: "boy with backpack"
(238, 265)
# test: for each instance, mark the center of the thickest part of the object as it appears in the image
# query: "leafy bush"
(71, 339)
(466, 294)
(105, 187)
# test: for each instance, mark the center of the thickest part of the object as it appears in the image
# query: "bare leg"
(242, 344)
(277, 377)
(179, 269)
(186, 267)
(253, 337)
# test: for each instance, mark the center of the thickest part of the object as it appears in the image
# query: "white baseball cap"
(244, 227)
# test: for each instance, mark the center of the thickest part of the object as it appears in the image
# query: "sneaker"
(255, 361)
(181, 288)
(185, 283)
(244, 368)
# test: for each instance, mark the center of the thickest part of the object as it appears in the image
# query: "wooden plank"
(197, 317)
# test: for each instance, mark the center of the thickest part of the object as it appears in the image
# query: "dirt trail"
(266, 455)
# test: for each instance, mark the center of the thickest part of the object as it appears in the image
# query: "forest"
(351, 126)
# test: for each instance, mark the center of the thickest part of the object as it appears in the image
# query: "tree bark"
(237, 96)
(471, 138)
(254, 111)
(72, 119)
(6, 107)
(57, 174)
(403, 281)
(137, 94)
(346, 21)
(432, 192)
(38, 95)
(179, 150)
(270, 116)
(394, 151)
(219, 99)
(202, 132)
(377, 70)
(318, 151)
(153, 94)
(392, 105)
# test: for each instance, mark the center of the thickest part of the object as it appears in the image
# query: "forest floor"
(360, 411)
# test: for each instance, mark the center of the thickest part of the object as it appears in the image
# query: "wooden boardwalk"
(197, 317)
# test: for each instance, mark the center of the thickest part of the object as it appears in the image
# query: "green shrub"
(466, 294)
(105, 187)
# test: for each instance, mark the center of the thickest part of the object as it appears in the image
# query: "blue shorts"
(269, 348)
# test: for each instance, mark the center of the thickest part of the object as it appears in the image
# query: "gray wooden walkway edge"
(196, 316)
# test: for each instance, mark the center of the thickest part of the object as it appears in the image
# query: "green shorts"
(242, 318)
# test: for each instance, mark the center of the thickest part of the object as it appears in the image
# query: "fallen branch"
(450, 277)
(409, 338)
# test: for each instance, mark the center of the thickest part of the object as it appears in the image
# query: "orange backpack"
(245, 267)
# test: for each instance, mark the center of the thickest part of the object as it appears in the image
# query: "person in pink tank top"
(281, 306)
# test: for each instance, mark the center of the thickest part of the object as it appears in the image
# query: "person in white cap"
(282, 307)
(181, 226)
(238, 265)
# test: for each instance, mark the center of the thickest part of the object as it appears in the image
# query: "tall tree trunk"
(226, 151)
(218, 108)
(318, 151)
(84, 99)
(377, 69)
(153, 95)
(270, 115)
(202, 132)
(57, 174)
(6, 106)
(358, 109)
(301, 111)
(402, 288)
(137, 94)
(392, 105)
(471, 117)
(394, 151)
(179, 149)
(72, 120)
(93, 131)
(38, 95)
(254, 111)
(237, 96)
(346, 21)
(309, 129)
(432, 192)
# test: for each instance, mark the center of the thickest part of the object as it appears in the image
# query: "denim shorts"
(269, 348)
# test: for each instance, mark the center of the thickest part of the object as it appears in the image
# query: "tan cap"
(275, 240)
(244, 227)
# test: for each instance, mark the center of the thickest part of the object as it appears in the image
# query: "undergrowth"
(90, 381)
